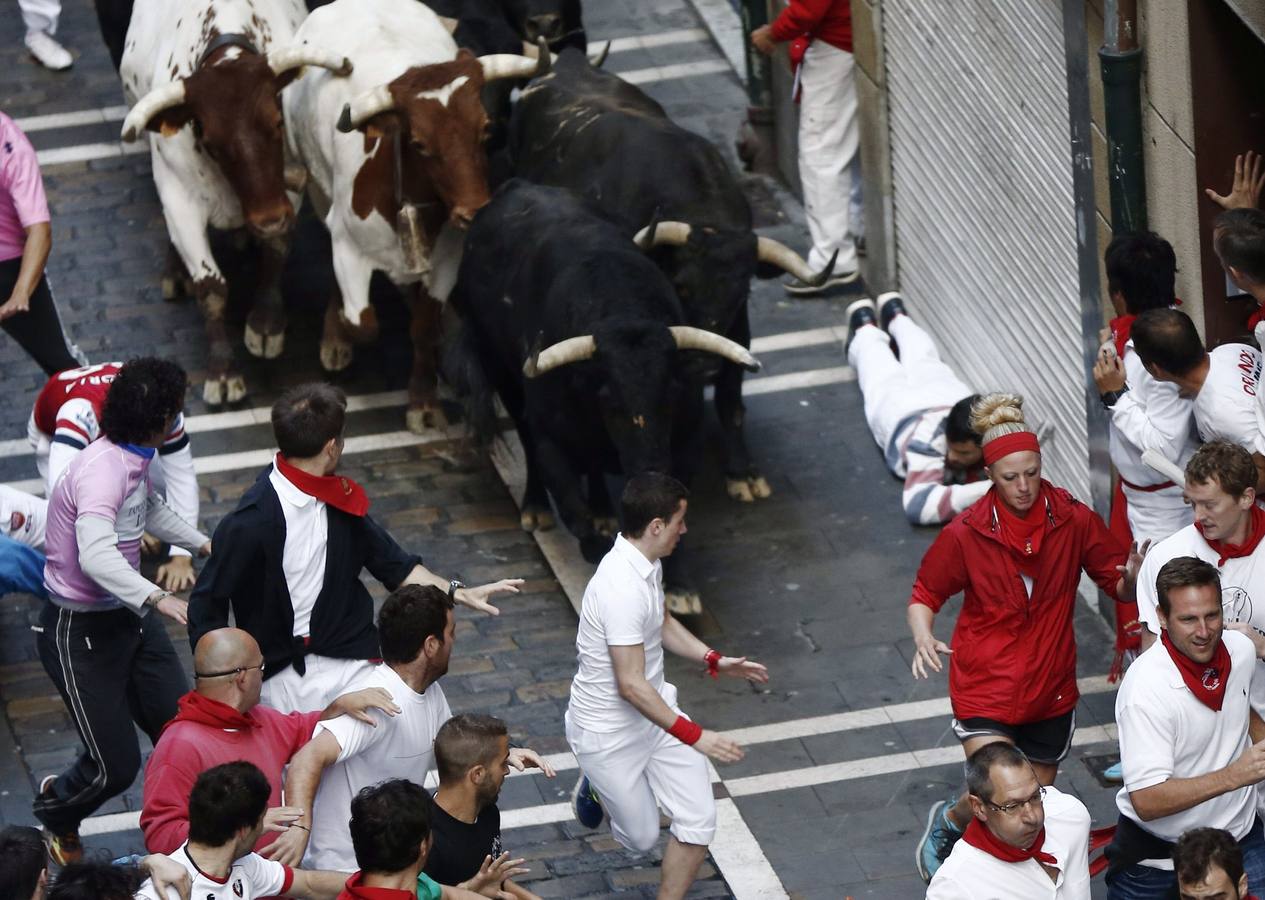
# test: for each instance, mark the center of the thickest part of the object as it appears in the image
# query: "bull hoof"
(607, 526)
(213, 391)
(235, 389)
(421, 419)
(532, 519)
(336, 355)
(760, 487)
(739, 489)
(683, 602)
(264, 346)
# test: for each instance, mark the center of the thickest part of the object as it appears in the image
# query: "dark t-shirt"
(458, 849)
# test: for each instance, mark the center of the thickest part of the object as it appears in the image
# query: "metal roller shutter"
(983, 203)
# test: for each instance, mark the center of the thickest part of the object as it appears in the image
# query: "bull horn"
(450, 24)
(530, 50)
(512, 65)
(563, 353)
(689, 338)
(659, 234)
(363, 108)
(157, 100)
(597, 59)
(287, 58)
(770, 251)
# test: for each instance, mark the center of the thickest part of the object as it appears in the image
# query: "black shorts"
(1047, 741)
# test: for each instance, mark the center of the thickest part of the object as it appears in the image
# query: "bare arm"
(474, 597)
(303, 777)
(927, 649)
(678, 639)
(39, 241)
(317, 885)
(1179, 794)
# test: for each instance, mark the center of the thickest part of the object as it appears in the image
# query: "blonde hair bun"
(996, 414)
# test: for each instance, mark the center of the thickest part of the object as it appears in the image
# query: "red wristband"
(685, 731)
(712, 658)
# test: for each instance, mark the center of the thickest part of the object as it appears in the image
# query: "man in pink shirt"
(27, 310)
(110, 658)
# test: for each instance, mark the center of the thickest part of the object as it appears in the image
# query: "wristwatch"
(153, 600)
(1110, 398)
(453, 587)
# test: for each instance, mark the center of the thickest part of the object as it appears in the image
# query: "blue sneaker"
(585, 804)
(1114, 774)
(937, 840)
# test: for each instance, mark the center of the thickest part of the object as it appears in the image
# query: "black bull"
(589, 131)
(580, 335)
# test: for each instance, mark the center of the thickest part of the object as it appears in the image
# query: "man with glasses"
(1024, 840)
(1187, 728)
(221, 720)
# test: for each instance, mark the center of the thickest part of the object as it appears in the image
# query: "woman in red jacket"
(1016, 555)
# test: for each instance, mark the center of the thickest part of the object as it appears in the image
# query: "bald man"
(221, 720)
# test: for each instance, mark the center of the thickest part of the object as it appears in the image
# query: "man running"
(635, 746)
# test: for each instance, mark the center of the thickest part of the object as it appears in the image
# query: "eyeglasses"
(236, 671)
(1011, 809)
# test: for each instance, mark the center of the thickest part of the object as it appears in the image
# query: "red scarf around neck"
(1206, 681)
(339, 492)
(1120, 328)
(194, 707)
(981, 838)
(1255, 532)
(1023, 536)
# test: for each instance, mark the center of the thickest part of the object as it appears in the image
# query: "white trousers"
(828, 140)
(635, 771)
(894, 389)
(1155, 515)
(326, 679)
(40, 15)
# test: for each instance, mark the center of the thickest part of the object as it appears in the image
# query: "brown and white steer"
(397, 167)
(205, 77)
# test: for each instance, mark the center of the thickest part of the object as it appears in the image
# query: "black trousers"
(39, 329)
(111, 669)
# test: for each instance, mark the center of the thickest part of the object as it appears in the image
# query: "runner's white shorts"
(638, 769)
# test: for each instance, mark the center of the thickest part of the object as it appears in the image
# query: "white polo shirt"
(1225, 407)
(1165, 732)
(303, 558)
(623, 606)
(401, 746)
(973, 874)
(251, 876)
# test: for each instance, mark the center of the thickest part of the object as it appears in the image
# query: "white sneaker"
(47, 52)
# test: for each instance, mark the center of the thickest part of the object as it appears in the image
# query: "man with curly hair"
(110, 658)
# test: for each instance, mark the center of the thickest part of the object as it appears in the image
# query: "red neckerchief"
(981, 838)
(1023, 536)
(354, 890)
(339, 492)
(1256, 531)
(1206, 681)
(1120, 327)
(193, 707)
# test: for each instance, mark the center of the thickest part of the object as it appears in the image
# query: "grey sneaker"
(797, 288)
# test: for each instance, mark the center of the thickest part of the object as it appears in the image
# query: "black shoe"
(860, 313)
(890, 305)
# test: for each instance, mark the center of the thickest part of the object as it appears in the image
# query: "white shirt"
(1151, 415)
(623, 606)
(973, 874)
(303, 559)
(1225, 407)
(23, 516)
(399, 746)
(251, 876)
(1165, 732)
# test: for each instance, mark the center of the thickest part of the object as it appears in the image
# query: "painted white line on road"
(658, 39)
(746, 870)
(88, 152)
(790, 381)
(793, 340)
(678, 70)
(73, 119)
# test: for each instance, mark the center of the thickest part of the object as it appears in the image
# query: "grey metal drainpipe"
(1121, 59)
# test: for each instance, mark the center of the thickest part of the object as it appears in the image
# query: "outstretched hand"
(741, 667)
(1249, 178)
(927, 652)
(525, 758)
(1137, 553)
(477, 597)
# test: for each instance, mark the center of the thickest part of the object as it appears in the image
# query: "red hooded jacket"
(1014, 658)
(822, 20)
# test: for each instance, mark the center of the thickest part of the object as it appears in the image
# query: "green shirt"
(427, 889)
